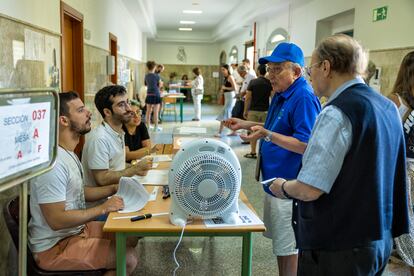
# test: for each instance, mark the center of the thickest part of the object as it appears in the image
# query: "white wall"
(197, 54)
(300, 21)
(34, 12)
(104, 16)
(235, 40)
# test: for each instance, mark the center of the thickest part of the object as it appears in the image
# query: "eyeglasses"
(138, 113)
(274, 70)
(308, 69)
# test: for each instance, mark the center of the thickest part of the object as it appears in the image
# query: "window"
(234, 55)
(277, 36)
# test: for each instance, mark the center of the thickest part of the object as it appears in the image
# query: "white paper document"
(247, 217)
(153, 195)
(193, 130)
(155, 165)
(133, 193)
(161, 158)
(154, 177)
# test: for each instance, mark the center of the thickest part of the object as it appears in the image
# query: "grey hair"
(345, 54)
(242, 68)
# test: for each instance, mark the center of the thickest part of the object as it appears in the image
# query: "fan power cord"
(175, 250)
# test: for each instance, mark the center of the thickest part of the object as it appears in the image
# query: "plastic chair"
(169, 107)
(11, 216)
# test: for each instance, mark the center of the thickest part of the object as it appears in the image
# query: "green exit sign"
(380, 14)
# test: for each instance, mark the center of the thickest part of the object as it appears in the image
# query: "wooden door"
(113, 48)
(72, 54)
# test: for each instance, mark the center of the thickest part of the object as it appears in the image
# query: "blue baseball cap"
(285, 52)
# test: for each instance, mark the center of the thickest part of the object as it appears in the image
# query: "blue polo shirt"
(291, 113)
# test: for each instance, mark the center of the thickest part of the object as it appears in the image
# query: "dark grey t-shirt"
(261, 89)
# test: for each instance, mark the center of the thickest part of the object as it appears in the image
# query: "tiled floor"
(219, 255)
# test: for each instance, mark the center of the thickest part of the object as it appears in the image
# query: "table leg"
(181, 109)
(247, 254)
(120, 254)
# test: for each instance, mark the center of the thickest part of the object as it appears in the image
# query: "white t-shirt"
(246, 81)
(63, 183)
(197, 83)
(104, 149)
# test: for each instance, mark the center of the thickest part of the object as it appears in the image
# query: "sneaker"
(218, 135)
(195, 119)
(158, 129)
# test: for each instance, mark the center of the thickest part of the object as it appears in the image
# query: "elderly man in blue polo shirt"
(286, 131)
(351, 195)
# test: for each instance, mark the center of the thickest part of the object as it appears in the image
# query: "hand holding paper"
(135, 196)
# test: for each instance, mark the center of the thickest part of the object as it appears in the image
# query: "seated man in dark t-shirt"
(137, 140)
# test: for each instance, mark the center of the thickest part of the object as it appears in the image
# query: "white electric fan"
(204, 181)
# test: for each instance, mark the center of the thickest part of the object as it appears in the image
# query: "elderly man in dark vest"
(350, 195)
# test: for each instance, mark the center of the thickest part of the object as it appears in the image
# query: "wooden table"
(161, 226)
(178, 96)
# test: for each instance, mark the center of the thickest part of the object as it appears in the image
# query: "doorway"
(113, 48)
(249, 52)
(72, 55)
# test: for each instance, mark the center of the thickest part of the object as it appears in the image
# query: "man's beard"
(80, 130)
(124, 118)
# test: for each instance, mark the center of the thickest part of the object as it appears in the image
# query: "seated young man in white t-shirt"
(103, 156)
(62, 233)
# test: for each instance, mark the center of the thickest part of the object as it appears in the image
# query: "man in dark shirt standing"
(256, 103)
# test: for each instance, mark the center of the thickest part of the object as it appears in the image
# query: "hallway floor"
(219, 255)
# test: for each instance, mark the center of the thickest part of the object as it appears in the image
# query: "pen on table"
(147, 216)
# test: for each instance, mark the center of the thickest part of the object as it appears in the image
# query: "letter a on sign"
(36, 133)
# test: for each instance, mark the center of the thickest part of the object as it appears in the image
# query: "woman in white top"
(197, 92)
(403, 96)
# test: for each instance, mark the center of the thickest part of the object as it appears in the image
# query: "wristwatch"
(268, 137)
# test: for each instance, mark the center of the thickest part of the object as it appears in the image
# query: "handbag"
(238, 109)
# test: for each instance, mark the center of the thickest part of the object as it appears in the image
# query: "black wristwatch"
(284, 192)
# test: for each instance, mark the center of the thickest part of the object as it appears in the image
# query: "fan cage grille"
(201, 167)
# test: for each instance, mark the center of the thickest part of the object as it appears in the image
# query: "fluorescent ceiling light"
(185, 29)
(186, 22)
(278, 38)
(192, 11)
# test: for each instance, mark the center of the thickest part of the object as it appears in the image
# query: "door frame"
(114, 52)
(77, 18)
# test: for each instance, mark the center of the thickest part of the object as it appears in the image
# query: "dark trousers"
(370, 259)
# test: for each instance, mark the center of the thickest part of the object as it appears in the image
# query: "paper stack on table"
(161, 157)
(154, 177)
(133, 193)
(246, 217)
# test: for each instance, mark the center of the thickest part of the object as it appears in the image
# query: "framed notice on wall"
(28, 134)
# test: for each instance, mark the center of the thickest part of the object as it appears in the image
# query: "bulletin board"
(28, 134)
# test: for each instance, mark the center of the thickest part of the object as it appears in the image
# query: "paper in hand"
(133, 193)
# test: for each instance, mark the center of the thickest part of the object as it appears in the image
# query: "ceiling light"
(192, 11)
(277, 38)
(186, 22)
(185, 29)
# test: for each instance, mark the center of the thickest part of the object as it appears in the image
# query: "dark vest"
(369, 196)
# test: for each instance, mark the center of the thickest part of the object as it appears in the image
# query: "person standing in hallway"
(103, 156)
(256, 103)
(229, 90)
(291, 116)
(350, 195)
(403, 96)
(62, 234)
(153, 100)
(246, 62)
(197, 92)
